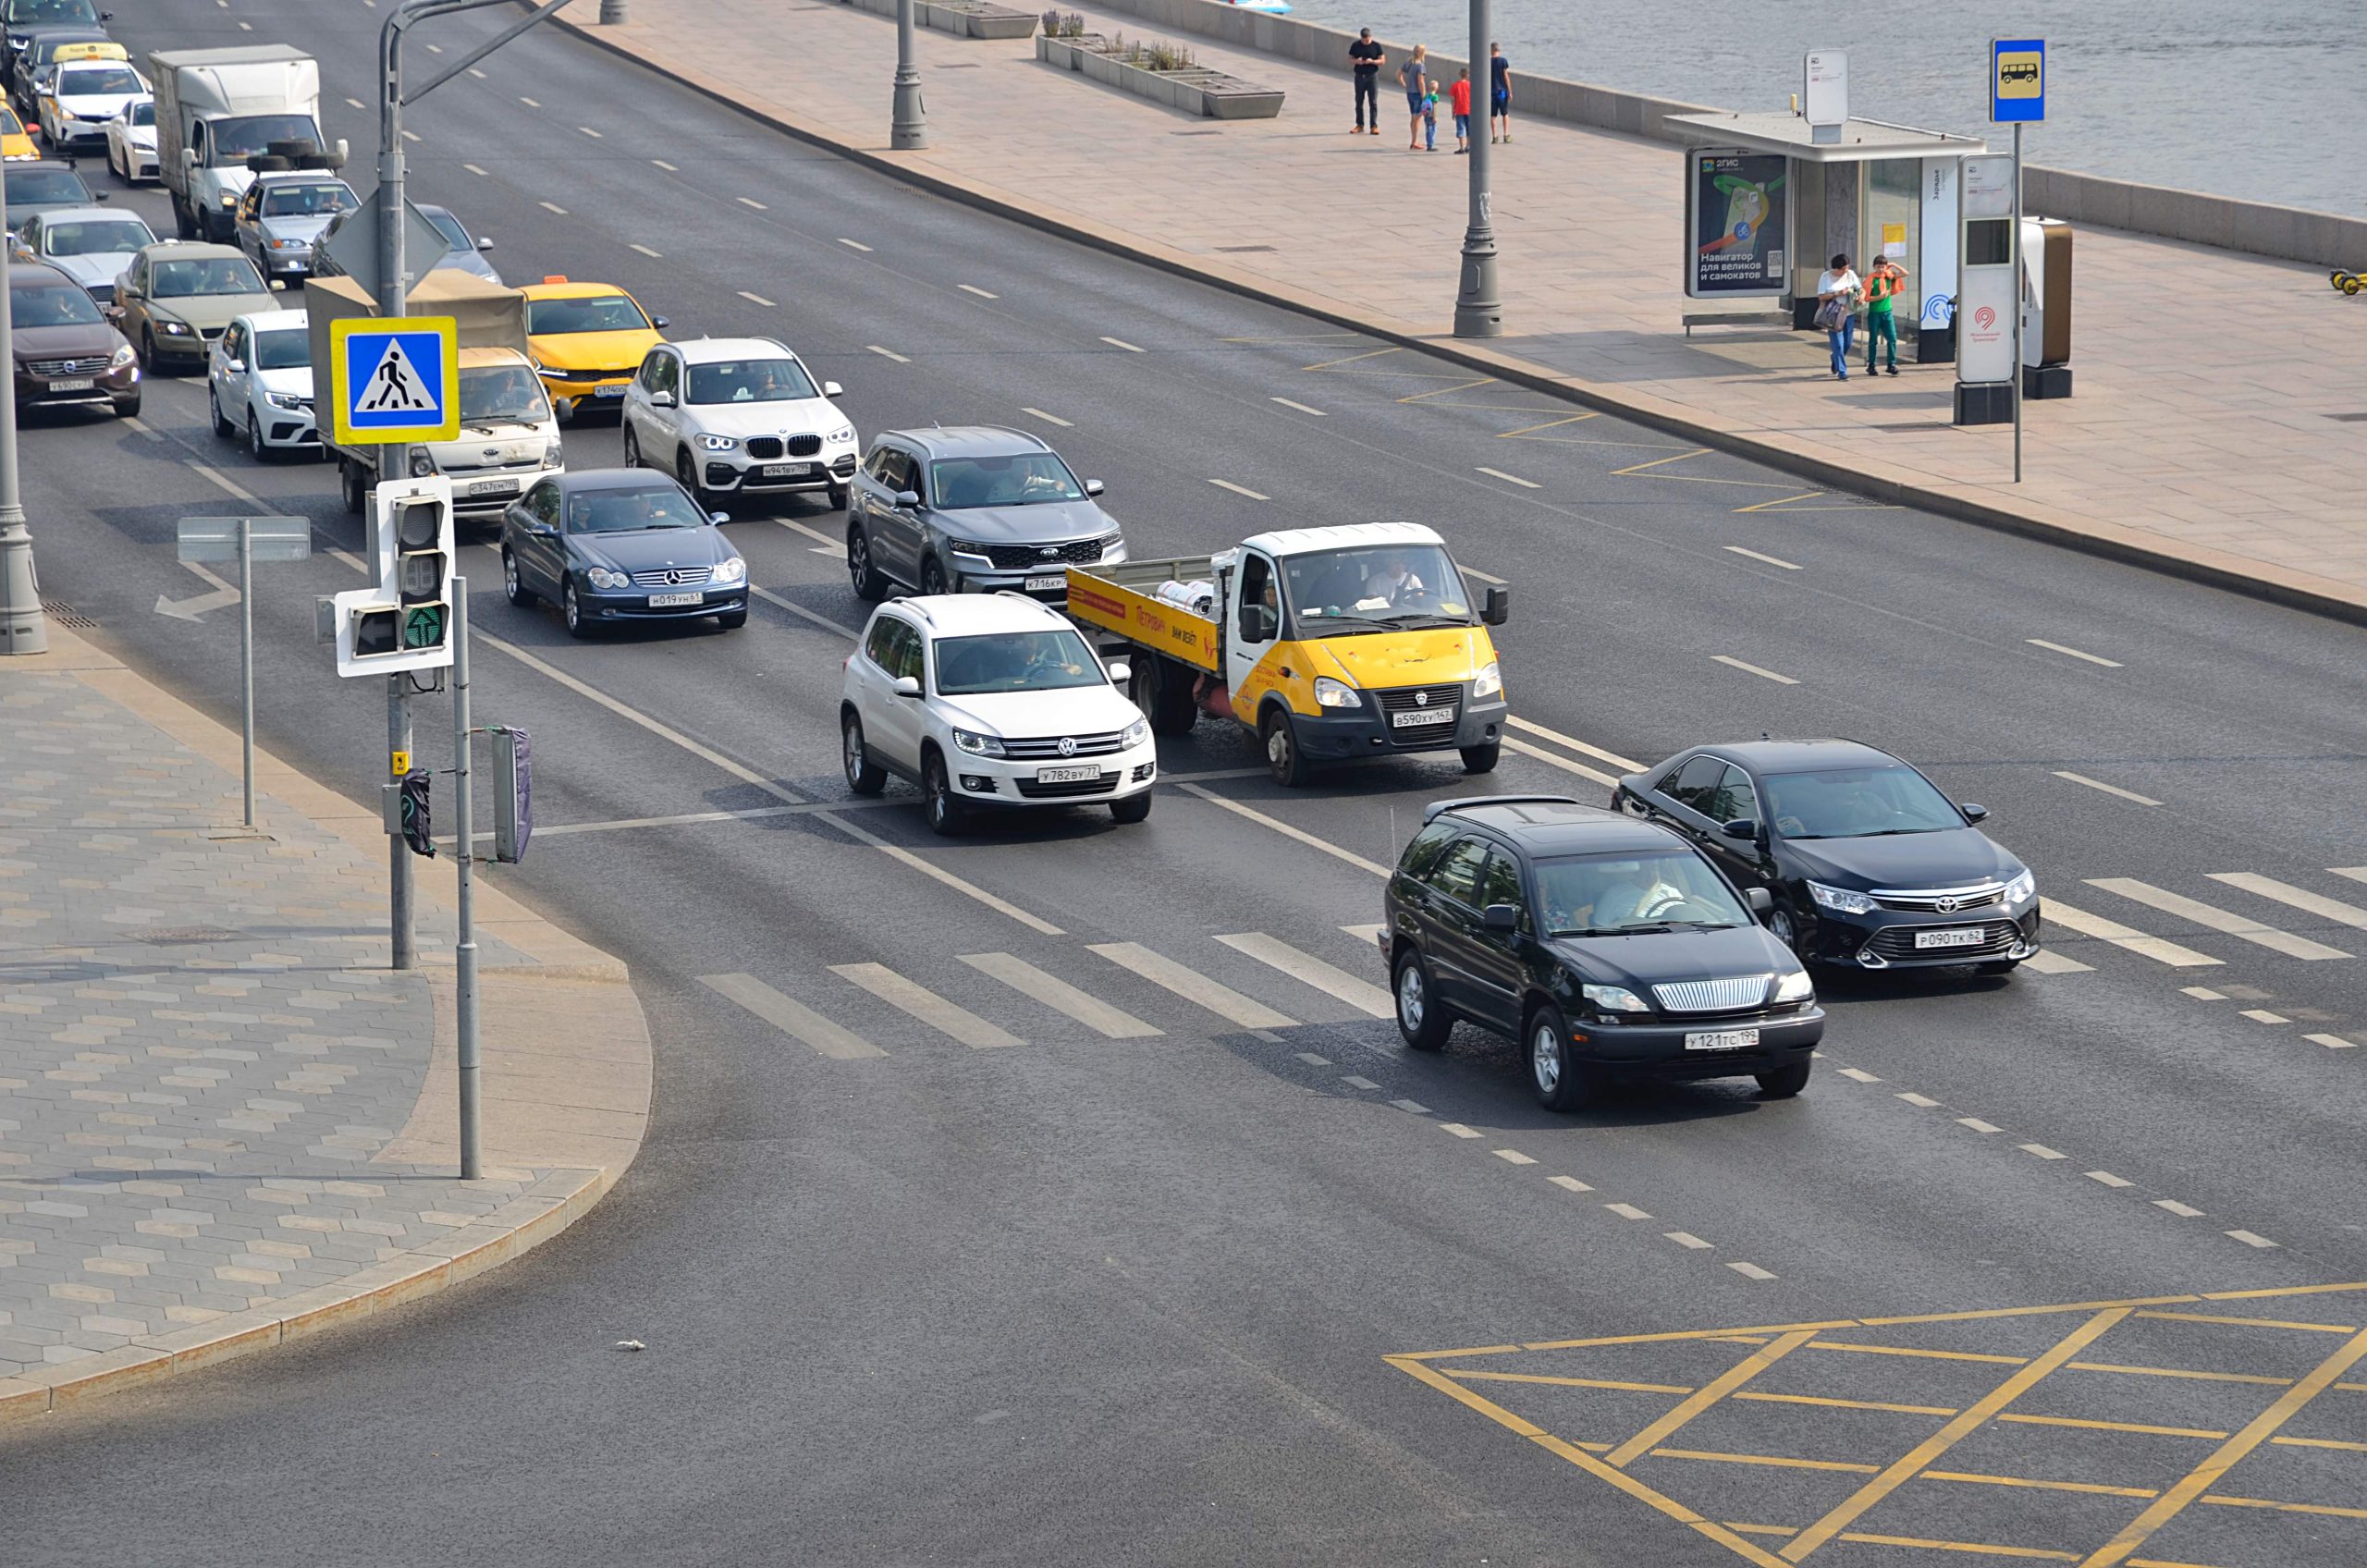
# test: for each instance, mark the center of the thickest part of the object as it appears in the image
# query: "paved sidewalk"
(2216, 419)
(218, 1125)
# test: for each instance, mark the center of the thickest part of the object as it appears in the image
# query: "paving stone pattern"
(201, 1047)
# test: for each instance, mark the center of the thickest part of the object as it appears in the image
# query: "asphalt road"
(1083, 1298)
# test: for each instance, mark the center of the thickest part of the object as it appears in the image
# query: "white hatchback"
(259, 384)
(987, 701)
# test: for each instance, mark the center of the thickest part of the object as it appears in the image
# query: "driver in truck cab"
(1394, 581)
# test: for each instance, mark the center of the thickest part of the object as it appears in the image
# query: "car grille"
(90, 366)
(1939, 901)
(209, 333)
(1034, 791)
(1024, 557)
(1896, 944)
(1743, 992)
(764, 447)
(804, 446)
(673, 577)
(1086, 746)
(1402, 698)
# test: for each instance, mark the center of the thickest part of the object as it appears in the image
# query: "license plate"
(1068, 775)
(787, 471)
(1417, 718)
(493, 487)
(1043, 584)
(668, 601)
(1723, 1040)
(616, 391)
(1959, 936)
(79, 384)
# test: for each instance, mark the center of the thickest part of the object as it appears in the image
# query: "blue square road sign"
(395, 379)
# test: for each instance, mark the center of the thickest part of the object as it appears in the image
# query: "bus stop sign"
(2017, 79)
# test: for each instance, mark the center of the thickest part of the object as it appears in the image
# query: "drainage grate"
(67, 615)
(187, 936)
(2350, 419)
(1242, 250)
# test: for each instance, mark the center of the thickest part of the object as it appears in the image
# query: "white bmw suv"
(730, 416)
(991, 700)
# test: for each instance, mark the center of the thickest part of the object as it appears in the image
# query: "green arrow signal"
(423, 626)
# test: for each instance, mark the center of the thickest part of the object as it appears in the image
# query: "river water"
(2266, 101)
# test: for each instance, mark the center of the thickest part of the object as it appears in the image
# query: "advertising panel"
(1738, 214)
(1938, 283)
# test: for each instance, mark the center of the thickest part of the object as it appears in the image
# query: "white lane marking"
(141, 425)
(1511, 479)
(888, 353)
(812, 533)
(938, 874)
(589, 131)
(645, 250)
(552, 207)
(473, 169)
(1771, 560)
(822, 549)
(664, 164)
(2250, 1240)
(2302, 899)
(1121, 343)
(2109, 1179)
(1306, 968)
(2203, 993)
(354, 103)
(1356, 1082)
(854, 244)
(476, 73)
(792, 1017)
(974, 289)
(2047, 962)
(1301, 407)
(2072, 652)
(906, 996)
(1412, 1108)
(1978, 1125)
(2159, 949)
(1860, 1074)
(528, 102)
(825, 622)
(2216, 918)
(1458, 1129)
(1570, 1183)
(1285, 829)
(1193, 986)
(1314, 1060)
(2262, 1015)
(1926, 1101)
(750, 201)
(1688, 1239)
(1626, 1211)
(230, 487)
(2332, 1042)
(1047, 419)
(2108, 789)
(1613, 758)
(1059, 995)
(755, 298)
(2043, 1152)
(408, 135)
(1750, 1271)
(2356, 873)
(1512, 1156)
(1366, 935)
(1469, 571)
(435, 48)
(1564, 763)
(2184, 1212)
(1754, 669)
(1239, 489)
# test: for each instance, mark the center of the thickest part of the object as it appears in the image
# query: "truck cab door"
(1255, 606)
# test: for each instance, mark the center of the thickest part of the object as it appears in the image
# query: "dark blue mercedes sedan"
(612, 545)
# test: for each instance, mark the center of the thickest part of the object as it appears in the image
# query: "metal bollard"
(612, 13)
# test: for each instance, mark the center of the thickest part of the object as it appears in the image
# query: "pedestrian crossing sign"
(394, 379)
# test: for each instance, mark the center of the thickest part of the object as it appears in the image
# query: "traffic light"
(406, 622)
(417, 829)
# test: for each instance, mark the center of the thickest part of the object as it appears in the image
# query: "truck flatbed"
(1123, 599)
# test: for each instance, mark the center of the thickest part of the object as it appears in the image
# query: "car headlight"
(1330, 693)
(123, 357)
(173, 328)
(289, 245)
(1842, 899)
(978, 745)
(715, 442)
(602, 578)
(284, 400)
(1794, 988)
(843, 437)
(1489, 682)
(968, 548)
(732, 571)
(2021, 888)
(1614, 998)
(422, 465)
(555, 456)
(229, 198)
(1136, 734)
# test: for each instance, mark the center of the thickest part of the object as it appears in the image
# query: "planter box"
(963, 18)
(1196, 89)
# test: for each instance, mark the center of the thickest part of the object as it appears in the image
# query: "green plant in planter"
(1073, 26)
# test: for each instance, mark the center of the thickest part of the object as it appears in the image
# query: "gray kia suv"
(974, 509)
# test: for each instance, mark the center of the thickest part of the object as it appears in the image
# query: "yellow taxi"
(587, 339)
(15, 145)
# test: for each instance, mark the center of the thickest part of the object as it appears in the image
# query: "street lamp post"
(23, 629)
(908, 127)
(1478, 307)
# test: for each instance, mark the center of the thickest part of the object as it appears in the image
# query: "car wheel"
(933, 577)
(865, 777)
(1783, 1083)
(1558, 1083)
(1134, 808)
(128, 408)
(869, 586)
(148, 349)
(351, 488)
(572, 610)
(221, 425)
(1162, 690)
(687, 471)
(947, 815)
(512, 584)
(1283, 759)
(1420, 1019)
(1779, 924)
(837, 497)
(255, 448)
(632, 446)
(1481, 759)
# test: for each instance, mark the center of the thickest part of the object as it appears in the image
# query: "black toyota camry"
(1869, 864)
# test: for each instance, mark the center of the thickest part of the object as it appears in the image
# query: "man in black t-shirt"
(1365, 56)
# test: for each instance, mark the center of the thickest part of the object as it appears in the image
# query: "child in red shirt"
(1458, 98)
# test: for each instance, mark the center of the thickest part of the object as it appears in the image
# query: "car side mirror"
(342, 153)
(832, 389)
(1502, 919)
(1974, 813)
(1761, 901)
(484, 242)
(659, 322)
(234, 364)
(1496, 609)
(907, 686)
(189, 156)
(1120, 672)
(661, 399)
(279, 286)
(1256, 623)
(1094, 487)
(908, 499)
(718, 519)
(1741, 828)
(101, 195)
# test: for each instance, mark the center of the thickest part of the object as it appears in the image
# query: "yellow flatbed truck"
(1328, 643)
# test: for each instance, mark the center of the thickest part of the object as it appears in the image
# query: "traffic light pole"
(464, 954)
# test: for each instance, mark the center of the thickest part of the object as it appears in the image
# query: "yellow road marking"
(1351, 359)
(1443, 391)
(2042, 1554)
(1727, 1382)
(2181, 1372)
(1568, 1382)
(1549, 424)
(1300, 337)
(1856, 1404)
(1974, 1478)
(1639, 468)
(1762, 1529)
(1762, 506)
(2321, 1443)
(2283, 1291)
(1927, 1355)
(1476, 1350)
(1974, 1415)
(2028, 1311)
(2229, 1454)
(2085, 1424)
(2255, 1322)
(1780, 1460)
(2162, 1562)
(2286, 1507)
(1678, 1334)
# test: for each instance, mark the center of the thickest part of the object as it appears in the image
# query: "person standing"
(1500, 95)
(1837, 289)
(1364, 56)
(1885, 282)
(1430, 119)
(1458, 102)
(1415, 77)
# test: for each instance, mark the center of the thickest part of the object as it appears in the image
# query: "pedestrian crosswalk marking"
(1193, 986)
(792, 1017)
(907, 995)
(1062, 997)
(2302, 899)
(2047, 962)
(2119, 936)
(1362, 995)
(2215, 918)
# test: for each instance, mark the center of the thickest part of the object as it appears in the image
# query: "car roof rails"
(1439, 808)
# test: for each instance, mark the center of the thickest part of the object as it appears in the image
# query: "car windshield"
(601, 312)
(97, 237)
(445, 224)
(1387, 585)
(1629, 894)
(50, 305)
(750, 381)
(313, 199)
(1015, 661)
(1857, 802)
(1019, 480)
(51, 188)
(632, 511)
(209, 275)
(285, 350)
(93, 82)
(30, 11)
(234, 140)
(510, 394)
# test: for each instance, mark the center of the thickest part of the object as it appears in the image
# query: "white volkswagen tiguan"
(991, 700)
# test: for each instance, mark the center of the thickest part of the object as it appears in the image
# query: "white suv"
(990, 700)
(738, 416)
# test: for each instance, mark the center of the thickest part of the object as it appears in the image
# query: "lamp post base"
(908, 125)
(1478, 307)
(23, 627)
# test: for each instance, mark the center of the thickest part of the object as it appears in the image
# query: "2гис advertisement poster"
(1738, 224)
